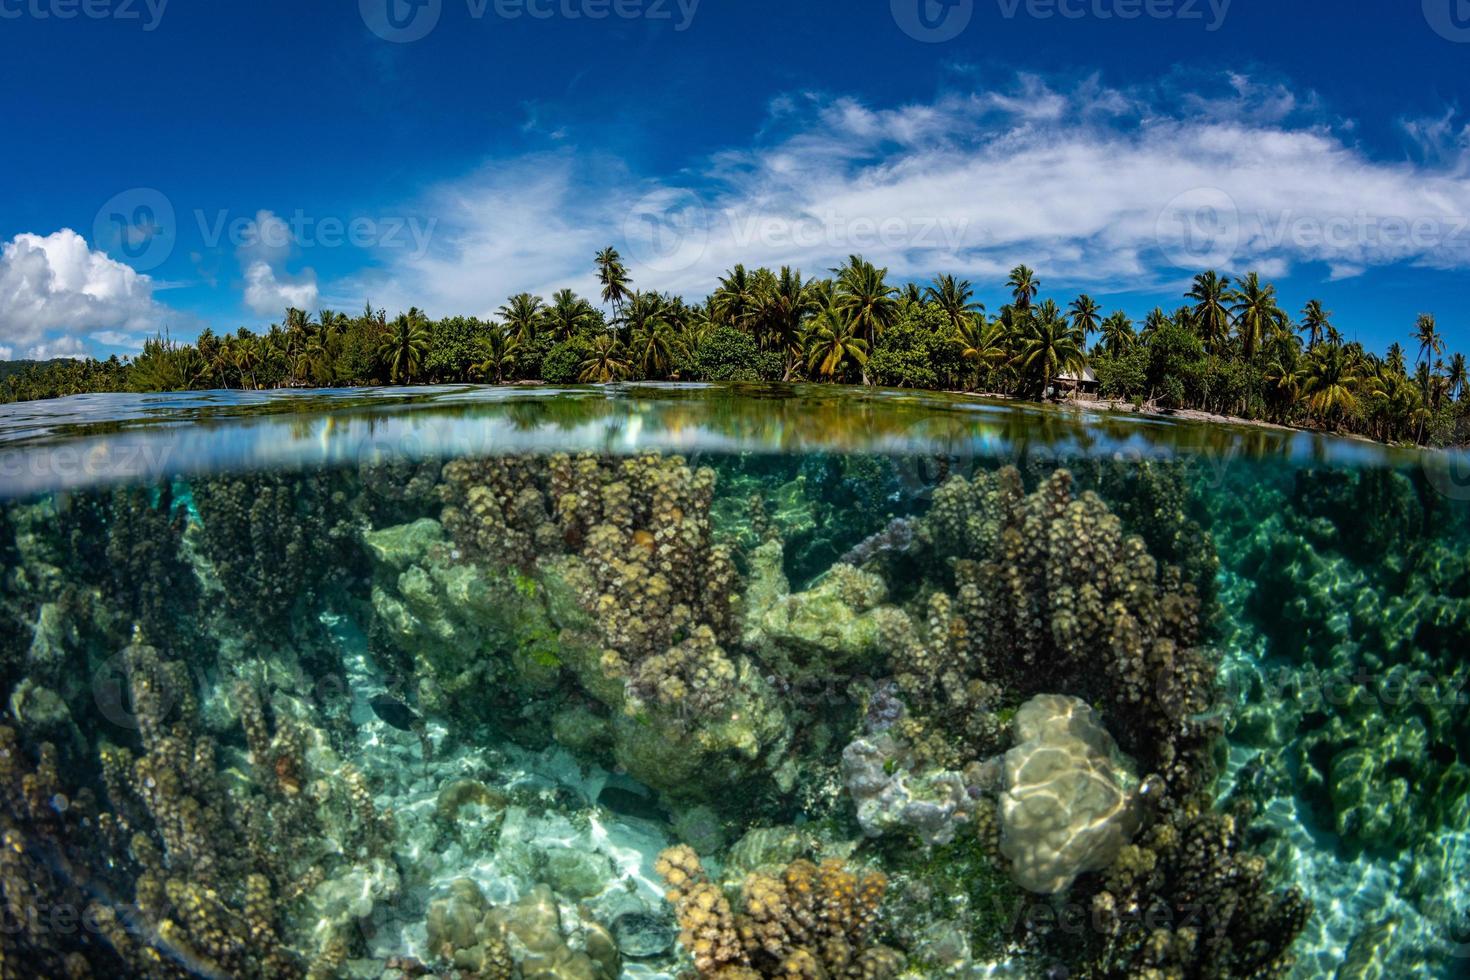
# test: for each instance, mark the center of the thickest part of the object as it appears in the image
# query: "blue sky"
(181, 163)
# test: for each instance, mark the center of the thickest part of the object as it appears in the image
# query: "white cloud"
(266, 245)
(60, 347)
(116, 338)
(528, 226)
(1076, 181)
(55, 288)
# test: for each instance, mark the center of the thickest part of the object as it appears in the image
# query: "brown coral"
(1052, 596)
(813, 922)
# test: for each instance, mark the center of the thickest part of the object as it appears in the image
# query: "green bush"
(728, 354)
(1125, 376)
(563, 363)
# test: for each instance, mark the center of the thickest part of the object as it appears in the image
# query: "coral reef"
(814, 922)
(437, 720)
(606, 568)
(1052, 597)
(278, 545)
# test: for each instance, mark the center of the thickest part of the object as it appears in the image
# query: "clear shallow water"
(371, 684)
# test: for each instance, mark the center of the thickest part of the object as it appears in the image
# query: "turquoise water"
(660, 681)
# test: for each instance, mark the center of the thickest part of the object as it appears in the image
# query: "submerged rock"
(1070, 802)
(642, 934)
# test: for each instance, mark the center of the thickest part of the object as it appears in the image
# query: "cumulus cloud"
(54, 289)
(267, 243)
(63, 346)
(1120, 188)
(116, 338)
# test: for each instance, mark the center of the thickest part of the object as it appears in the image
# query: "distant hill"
(7, 368)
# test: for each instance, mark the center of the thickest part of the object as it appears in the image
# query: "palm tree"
(1257, 317)
(1456, 377)
(402, 351)
(522, 316)
(1315, 323)
(982, 342)
(1283, 379)
(1427, 335)
(834, 345)
(1210, 293)
(653, 348)
(1156, 320)
(1330, 377)
(956, 299)
(1117, 334)
(1024, 286)
(1050, 347)
(569, 314)
(313, 364)
(734, 301)
(783, 310)
(1084, 315)
(1394, 360)
(501, 347)
(607, 361)
(865, 296)
(222, 360)
(614, 278)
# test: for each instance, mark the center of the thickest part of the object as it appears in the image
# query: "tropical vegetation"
(1229, 349)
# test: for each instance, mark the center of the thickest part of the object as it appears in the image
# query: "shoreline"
(1112, 406)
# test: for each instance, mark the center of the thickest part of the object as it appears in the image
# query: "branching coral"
(812, 922)
(278, 544)
(48, 845)
(1186, 902)
(618, 556)
(1051, 596)
(150, 580)
(646, 570)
